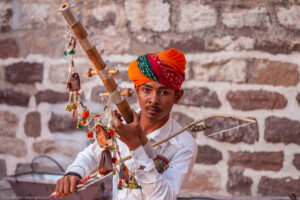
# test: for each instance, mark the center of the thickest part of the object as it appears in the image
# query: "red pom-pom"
(111, 133)
(90, 134)
(114, 160)
(120, 183)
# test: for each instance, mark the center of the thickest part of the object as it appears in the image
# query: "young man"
(157, 79)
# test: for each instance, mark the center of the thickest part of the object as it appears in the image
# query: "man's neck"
(148, 126)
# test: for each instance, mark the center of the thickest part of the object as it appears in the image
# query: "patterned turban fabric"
(166, 67)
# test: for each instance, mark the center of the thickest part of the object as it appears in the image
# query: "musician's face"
(156, 100)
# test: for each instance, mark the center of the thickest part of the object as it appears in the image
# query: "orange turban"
(166, 67)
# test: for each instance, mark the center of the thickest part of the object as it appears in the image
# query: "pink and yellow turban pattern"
(166, 67)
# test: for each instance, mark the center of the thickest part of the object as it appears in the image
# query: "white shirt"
(180, 151)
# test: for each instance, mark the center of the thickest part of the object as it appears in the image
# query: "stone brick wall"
(243, 59)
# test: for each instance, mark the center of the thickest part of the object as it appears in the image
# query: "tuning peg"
(106, 62)
(90, 72)
(96, 43)
(113, 71)
(73, 5)
(127, 92)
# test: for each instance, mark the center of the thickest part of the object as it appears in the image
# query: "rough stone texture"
(230, 43)
(151, 15)
(12, 146)
(257, 17)
(238, 184)
(296, 161)
(298, 98)
(14, 98)
(195, 16)
(181, 118)
(231, 71)
(208, 155)
(6, 14)
(10, 122)
(24, 72)
(274, 73)
(278, 186)
(2, 169)
(200, 97)
(282, 130)
(254, 100)
(32, 124)
(248, 134)
(49, 146)
(9, 48)
(276, 47)
(192, 45)
(288, 17)
(210, 181)
(62, 123)
(50, 96)
(271, 161)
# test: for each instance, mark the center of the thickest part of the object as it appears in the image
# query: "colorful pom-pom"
(114, 160)
(90, 134)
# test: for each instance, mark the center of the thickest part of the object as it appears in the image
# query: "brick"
(2, 169)
(192, 45)
(276, 47)
(234, 70)
(210, 182)
(150, 15)
(282, 130)
(298, 98)
(195, 16)
(32, 124)
(181, 118)
(278, 186)
(296, 161)
(12, 146)
(9, 48)
(10, 122)
(270, 161)
(288, 16)
(62, 123)
(200, 97)
(39, 15)
(208, 155)
(51, 96)
(50, 147)
(24, 72)
(257, 17)
(5, 16)
(254, 100)
(109, 19)
(14, 98)
(230, 43)
(238, 184)
(248, 134)
(274, 73)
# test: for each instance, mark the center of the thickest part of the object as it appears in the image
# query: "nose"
(154, 99)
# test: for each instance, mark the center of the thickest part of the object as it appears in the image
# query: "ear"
(178, 96)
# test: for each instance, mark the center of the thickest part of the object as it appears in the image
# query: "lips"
(153, 109)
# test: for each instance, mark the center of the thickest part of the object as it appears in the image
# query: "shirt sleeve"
(167, 185)
(86, 161)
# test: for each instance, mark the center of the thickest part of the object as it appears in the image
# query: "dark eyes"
(162, 92)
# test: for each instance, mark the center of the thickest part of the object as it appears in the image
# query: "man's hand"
(66, 185)
(129, 133)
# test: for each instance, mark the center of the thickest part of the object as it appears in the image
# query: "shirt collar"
(162, 132)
